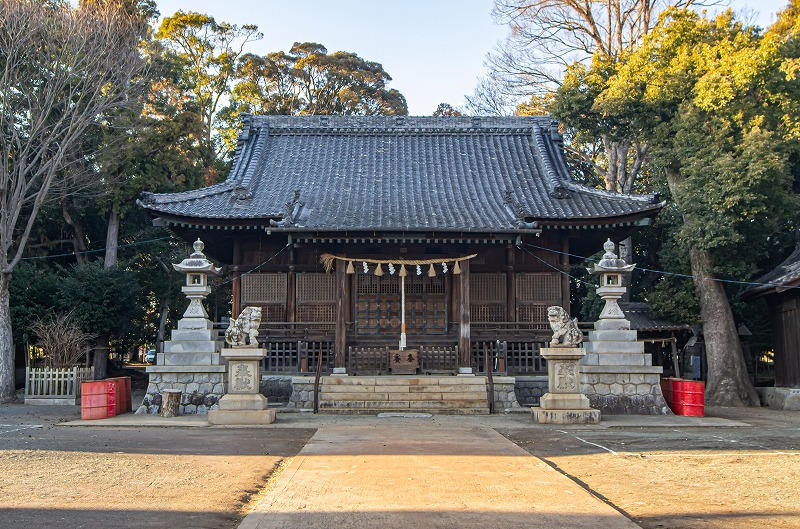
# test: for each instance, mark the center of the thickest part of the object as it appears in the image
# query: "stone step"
(456, 395)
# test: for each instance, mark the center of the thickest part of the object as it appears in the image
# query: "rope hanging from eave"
(328, 259)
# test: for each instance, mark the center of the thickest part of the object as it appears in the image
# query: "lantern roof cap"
(197, 262)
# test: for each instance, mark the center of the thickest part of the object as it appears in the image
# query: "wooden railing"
(297, 356)
(55, 384)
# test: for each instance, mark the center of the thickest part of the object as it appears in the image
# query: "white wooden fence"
(47, 385)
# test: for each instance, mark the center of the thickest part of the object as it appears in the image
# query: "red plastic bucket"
(687, 397)
(666, 390)
(122, 391)
(98, 399)
(693, 398)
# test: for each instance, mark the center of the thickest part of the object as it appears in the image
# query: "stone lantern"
(197, 269)
(610, 269)
(617, 375)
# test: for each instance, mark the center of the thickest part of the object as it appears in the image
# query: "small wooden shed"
(781, 290)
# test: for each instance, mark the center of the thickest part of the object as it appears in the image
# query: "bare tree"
(547, 36)
(61, 68)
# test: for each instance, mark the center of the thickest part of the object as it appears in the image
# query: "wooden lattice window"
(267, 291)
(487, 297)
(487, 288)
(539, 288)
(316, 288)
(532, 312)
(316, 297)
(263, 288)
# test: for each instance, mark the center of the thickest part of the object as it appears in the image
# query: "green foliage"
(446, 109)
(208, 52)
(101, 301)
(33, 292)
(309, 81)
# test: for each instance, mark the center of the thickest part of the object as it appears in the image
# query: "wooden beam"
(342, 300)
(511, 290)
(291, 289)
(565, 276)
(236, 305)
(464, 317)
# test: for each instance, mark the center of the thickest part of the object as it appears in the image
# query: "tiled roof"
(643, 320)
(783, 276)
(400, 173)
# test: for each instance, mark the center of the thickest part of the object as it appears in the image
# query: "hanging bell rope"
(328, 259)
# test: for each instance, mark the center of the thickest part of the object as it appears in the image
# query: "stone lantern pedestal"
(564, 403)
(243, 404)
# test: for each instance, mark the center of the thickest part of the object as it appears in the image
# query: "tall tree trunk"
(7, 382)
(625, 251)
(728, 383)
(162, 325)
(112, 239)
(101, 357)
(78, 236)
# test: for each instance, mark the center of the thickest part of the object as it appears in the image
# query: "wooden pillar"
(236, 302)
(565, 275)
(291, 288)
(342, 301)
(464, 317)
(511, 290)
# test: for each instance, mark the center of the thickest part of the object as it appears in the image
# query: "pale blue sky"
(433, 49)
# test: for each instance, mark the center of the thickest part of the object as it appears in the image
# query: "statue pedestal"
(242, 404)
(564, 403)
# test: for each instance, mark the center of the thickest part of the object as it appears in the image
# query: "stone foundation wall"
(505, 397)
(625, 393)
(529, 389)
(276, 388)
(302, 396)
(201, 391)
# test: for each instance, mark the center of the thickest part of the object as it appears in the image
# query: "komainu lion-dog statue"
(565, 330)
(244, 329)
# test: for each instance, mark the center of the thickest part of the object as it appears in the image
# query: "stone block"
(636, 378)
(624, 359)
(241, 417)
(565, 416)
(616, 389)
(365, 396)
(564, 401)
(195, 335)
(602, 348)
(190, 347)
(615, 335)
(591, 358)
(252, 401)
(590, 378)
(602, 389)
(612, 324)
(379, 405)
(608, 378)
(191, 359)
(194, 323)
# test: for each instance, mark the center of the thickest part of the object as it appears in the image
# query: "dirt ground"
(677, 478)
(96, 478)
(687, 478)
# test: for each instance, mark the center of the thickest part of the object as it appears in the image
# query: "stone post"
(243, 404)
(564, 403)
